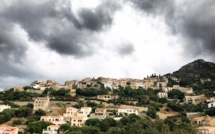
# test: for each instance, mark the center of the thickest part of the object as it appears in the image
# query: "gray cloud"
(198, 27)
(154, 6)
(10, 46)
(98, 19)
(12, 52)
(125, 49)
(194, 20)
(53, 22)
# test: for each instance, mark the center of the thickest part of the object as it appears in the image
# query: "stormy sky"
(71, 39)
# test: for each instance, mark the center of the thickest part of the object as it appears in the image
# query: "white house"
(51, 129)
(108, 85)
(56, 120)
(3, 107)
(78, 121)
(84, 111)
(127, 111)
(212, 99)
(162, 95)
(211, 104)
(70, 111)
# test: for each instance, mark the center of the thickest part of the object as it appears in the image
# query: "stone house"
(195, 99)
(186, 90)
(41, 103)
(162, 95)
(107, 97)
(18, 88)
(206, 130)
(203, 120)
(72, 92)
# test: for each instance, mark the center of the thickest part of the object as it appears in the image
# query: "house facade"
(72, 92)
(78, 121)
(195, 99)
(84, 111)
(162, 95)
(56, 120)
(206, 130)
(41, 103)
(211, 104)
(107, 97)
(127, 111)
(18, 88)
(5, 129)
(100, 113)
(51, 129)
(186, 90)
(3, 107)
(70, 112)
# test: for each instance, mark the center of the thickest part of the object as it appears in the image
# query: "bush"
(40, 112)
(17, 122)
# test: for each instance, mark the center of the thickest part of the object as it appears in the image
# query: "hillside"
(194, 71)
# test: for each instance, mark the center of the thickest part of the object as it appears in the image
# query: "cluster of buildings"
(5, 129)
(78, 117)
(205, 124)
(111, 83)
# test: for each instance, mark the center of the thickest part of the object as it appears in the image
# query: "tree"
(17, 122)
(93, 122)
(174, 106)
(151, 112)
(176, 94)
(170, 122)
(210, 111)
(23, 111)
(90, 130)
(74, 130)
(40, 112)
(37, 126)
(185, 119)
(64, 127)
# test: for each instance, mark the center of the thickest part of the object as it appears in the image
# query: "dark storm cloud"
(125, 49)
(154, 6)
(11, 47)
(198, 25)
(12, 52)
(99, 18)
(53, 22)
(194, 20)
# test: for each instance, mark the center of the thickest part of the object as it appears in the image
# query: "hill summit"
(195, 71)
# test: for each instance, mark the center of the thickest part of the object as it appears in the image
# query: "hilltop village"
(88, 103)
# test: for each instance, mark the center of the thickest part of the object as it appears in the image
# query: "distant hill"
(194, 71)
